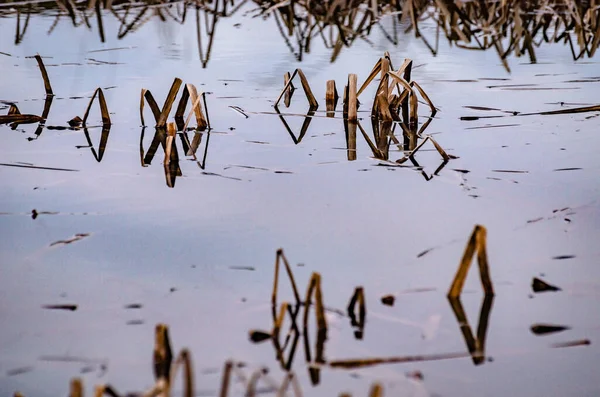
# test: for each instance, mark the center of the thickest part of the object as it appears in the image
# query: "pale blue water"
(355, 227)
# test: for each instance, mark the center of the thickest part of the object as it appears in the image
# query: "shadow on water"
(508, 28)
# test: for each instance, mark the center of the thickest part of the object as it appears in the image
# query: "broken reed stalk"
(352, 99)
(191, 93)
(314, 287)
(281, 256)
(164, 114)
(279, 320)
(76, 388)
(226, 379)
(376, 390)
(477, 244)
(103, 108)
(47, 85)
(147, 95)
(288, 93)
(171, 132)
(305, 86)
(185, 359)
(163, 356)
(331, 96)
(20, 119)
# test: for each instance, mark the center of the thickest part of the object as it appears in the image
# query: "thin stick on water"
(369, 362)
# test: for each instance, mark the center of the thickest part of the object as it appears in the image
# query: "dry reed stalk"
(352, 100)
(226, 379)
(368, 362)
(279, 320)
(385, 67)
(103, 108)
(191, 93)
(105, 390)
(594, 108)
(383, 106)
(374, 72)
(290, 91)
(76, 388)
(171, 132)
(147, 95)
(350, 140)
(440, 150)
(305, 86)
(166, 109)
(314, 287)
(281, 256)
(20, 119)
(425, 97)
(376, 390)
(376, 152)
(476, 244)
(331, 97)
(44, 72)
(184, 358)
(163, 356)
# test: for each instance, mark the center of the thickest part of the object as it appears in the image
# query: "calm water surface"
(199, 256)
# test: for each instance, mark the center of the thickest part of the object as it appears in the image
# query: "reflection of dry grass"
(507, 27)
(512, 26)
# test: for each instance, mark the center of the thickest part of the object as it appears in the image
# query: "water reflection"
(508, 28)
(285, 344)
(475, 344)
(98, 154)
(171, 161)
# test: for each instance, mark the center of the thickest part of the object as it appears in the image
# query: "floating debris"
(545, 329)
(77, 237)
(563, 257)
(539, 285)
(575, 343)
(388, 300)
(71, 308)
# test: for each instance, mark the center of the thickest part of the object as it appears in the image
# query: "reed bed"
(509, 27)
(396, 103)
